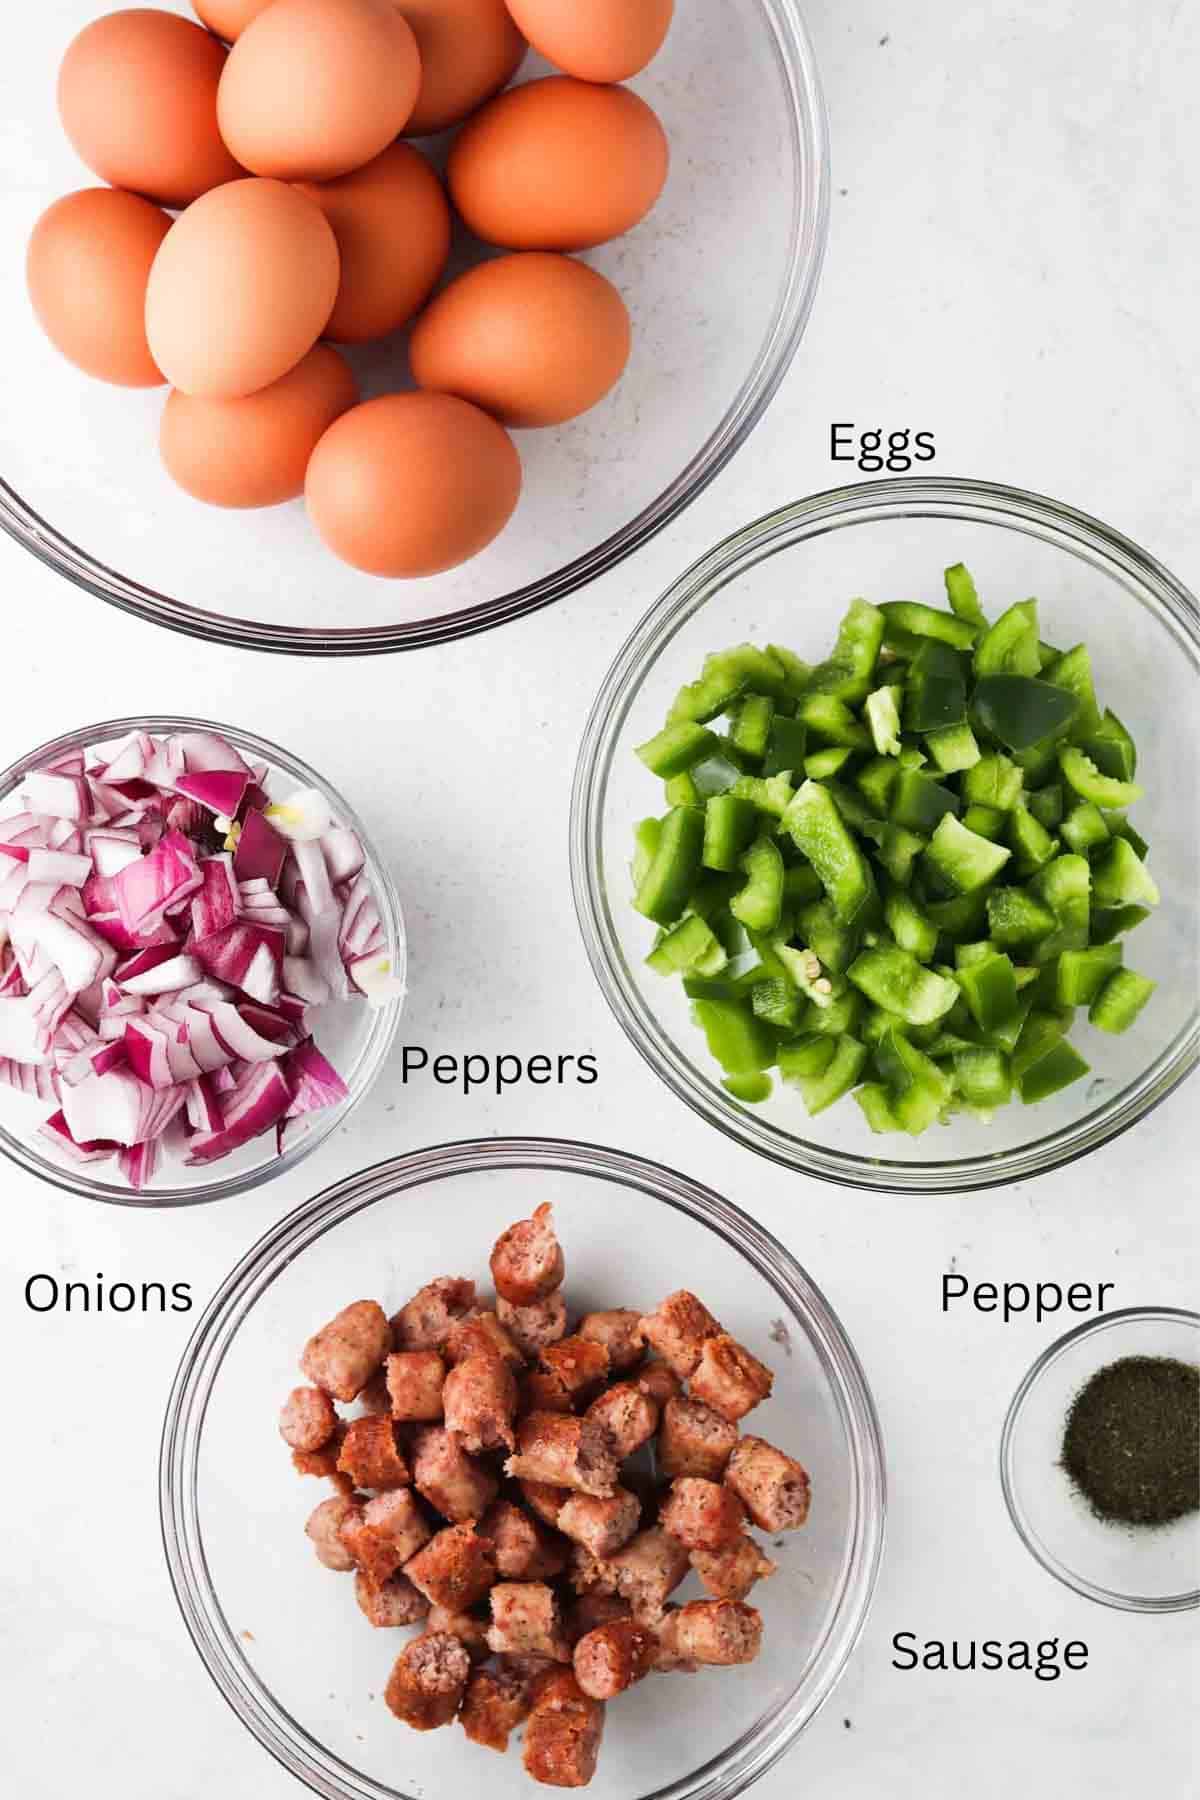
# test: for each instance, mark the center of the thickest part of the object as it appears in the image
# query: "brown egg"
(241, 289)
(558, 164)
(412, 484)
(137, 92)
(534, 339)
(315, 88)
(228, 18)
(392, 225)
(606, 40)
(87, 267)
(469, 50)
(254, 452)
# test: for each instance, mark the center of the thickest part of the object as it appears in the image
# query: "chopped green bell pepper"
(898, 851)
(983, 1077)
(1046, 805)
(832, 941)
(1080, 974)
(822, 765)
(935, 694)
(741, 1043)
(676, 748)
(750, 729)
(663, 892)
(883, 717)
(786, 746)
(910, 927)
(1120, 1000)
(1019, 711)
(830, 719)
(751, 1090)
(876, 1104)
(910, 618)
(1073, 671)
(994, 781)
(724, 678)
(1112, 749)
(1010, 646)
(1084, 827)
(1121, 878)
(767, 793)
(875, 782)
(816, 828)
(954, 748)
(1109, 922)
(962, 595)
(1029, 840)
(918, 803)
(690, 947)
(1084, 778)
(987, 822)
(963, 860)
(1016, 917)
(806, 1056)
(990, 990)
(759, 905)
(729, 825)
(893, 978)
(820, 1091)
(847, 673)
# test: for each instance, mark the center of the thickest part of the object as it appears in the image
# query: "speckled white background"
(1013, 264)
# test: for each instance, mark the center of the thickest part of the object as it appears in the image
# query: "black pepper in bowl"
(1132, 1441)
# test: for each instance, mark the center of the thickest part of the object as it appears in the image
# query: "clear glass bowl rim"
(1079, 1584)
(869, 502)
(385, 1019)
(809, 134)
(759, 1748)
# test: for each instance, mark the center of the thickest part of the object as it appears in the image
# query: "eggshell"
(534, 339)
(241, 289)
(254, 452)
(391, 220)
(469, 50)
(412, 484)
(606, 40)
(137, 93)
(87, 268)
(228, 18)
(558, 164)
(315, 88)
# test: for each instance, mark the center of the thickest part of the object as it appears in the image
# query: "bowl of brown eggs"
(357, 324)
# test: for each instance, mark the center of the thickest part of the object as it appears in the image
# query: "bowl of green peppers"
(885, 837)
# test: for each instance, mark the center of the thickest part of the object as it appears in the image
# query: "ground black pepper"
(1132, 1441)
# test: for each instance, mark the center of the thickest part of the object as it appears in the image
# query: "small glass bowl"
(719, 281)
(1137, 1569)
(787, 579)
(353, 1034)
(282, 1637)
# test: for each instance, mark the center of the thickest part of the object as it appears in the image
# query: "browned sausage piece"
(730, 1574)
(343, 1355)
(526, 1621)
(564, 1451)
(611, 1658)
(562, 1741)
(542, 1391)
(533, 1327)
(393, 1602)
(478, 1331)
(544, 1501)
(588, 1611)
(580, 1365)
(531, 1669)
(645, 1572)
(666, 1659)
(718, 1633)
(480, 1399)
(525, 1550)
(468, 1627)
(388, 1532)
(628, 1415)
(424, 1322)
(495, 1703)
(729, 1379)
(427, 1684)
(773, 1487)
(308, 1419)
(620, 1332)
(455, 1569)
(658, 1383)
(601, 1526)
(454, 1483)
(693, 1439)
(678, 1331)
(414, 1385)
(527, 1261)
(324, 1462)
(702, 1514)
(370, 1454)
(324, 1528)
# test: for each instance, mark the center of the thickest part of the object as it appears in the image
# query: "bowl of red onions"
(202, 961)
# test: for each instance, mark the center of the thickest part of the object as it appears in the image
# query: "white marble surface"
(1013, 264)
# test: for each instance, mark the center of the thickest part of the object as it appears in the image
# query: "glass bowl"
(787, 579)
(1138, 1570)
(284, 1641)
(719, 280)
(353, 1034)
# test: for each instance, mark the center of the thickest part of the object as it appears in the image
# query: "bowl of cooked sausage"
(587, 1491)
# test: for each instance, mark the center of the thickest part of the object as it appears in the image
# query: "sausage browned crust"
(628, 1414)
(526, 1621)
(308, 1419)
(424, 1322)
(414, 1384)
(620, 1332)
(533, 1327)
(455, 1569)
(678, 1330)
(324, 1528)
(772, 1486)
(455, 1484)
(429, 1679)
(342, 1357)
(561, 1450)
(702, 1514)
(495, 1703)
(729, 1574)
(729, 1379)
(602, 1526)
(371, 1455)
(693, 1439)
(479, 1401)
(525, 1550)
(612, 1657)
(527, 1260)
(719, 1633)
(393, 1602)
(578, 1364)
(562, 1737)
(385, 1534)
